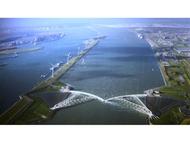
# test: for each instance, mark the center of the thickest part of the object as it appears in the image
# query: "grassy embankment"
(57, 74)
(27, 110)
(178, 79)
(173, 116)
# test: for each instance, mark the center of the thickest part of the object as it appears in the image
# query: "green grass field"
(28, 110)
(172, 117)
(178, 79)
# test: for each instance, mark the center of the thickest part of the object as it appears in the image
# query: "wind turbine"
(83, 61)
(52, 70)
(68, 56)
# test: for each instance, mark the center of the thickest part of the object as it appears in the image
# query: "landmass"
(171, 46)
(19, 50)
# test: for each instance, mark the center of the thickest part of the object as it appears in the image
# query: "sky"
(30, 22)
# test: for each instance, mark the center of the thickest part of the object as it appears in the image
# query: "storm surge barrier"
(124, 102)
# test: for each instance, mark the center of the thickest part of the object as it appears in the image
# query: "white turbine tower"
(68, 56)
(83, 62)
(52, 71)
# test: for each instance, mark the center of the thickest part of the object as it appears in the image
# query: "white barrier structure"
(124, 102)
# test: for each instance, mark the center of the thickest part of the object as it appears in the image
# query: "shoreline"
(153, 45)
(19, 50)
